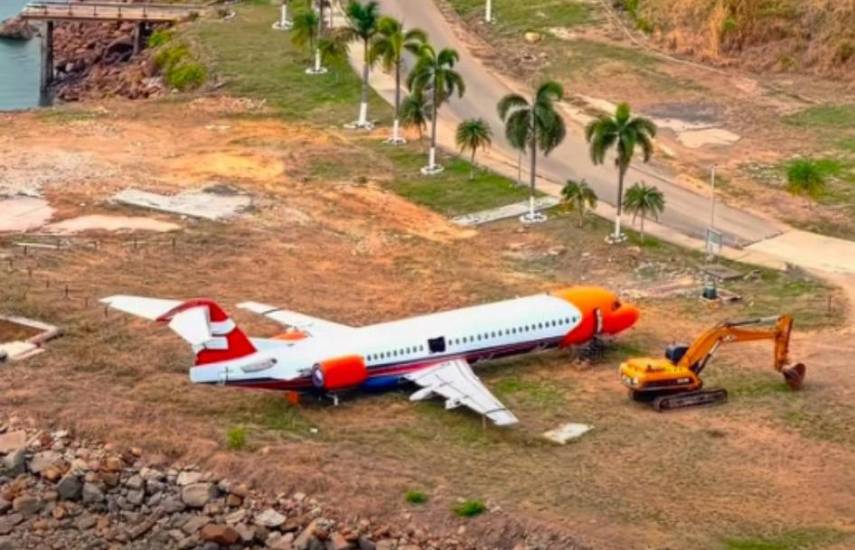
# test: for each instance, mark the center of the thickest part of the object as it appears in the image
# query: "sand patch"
(20, 214)
(99, 222)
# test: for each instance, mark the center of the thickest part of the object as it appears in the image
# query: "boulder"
(17, 28)
(195, 523)
(45, 460)
(187, 478)
(221, 534)
(14, 463)
(269, 518)
(27, 505)
(12, 441)
(69, 487)
(8, 522)
(196, 495)
(92, 493)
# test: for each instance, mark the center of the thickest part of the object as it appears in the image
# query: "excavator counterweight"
(675, 381)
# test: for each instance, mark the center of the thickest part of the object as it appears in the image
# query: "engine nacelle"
(339, 373)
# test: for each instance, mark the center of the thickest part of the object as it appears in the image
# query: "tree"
(805, 177)
(306, 34)
(535, 125)
(434, 73)
(580, 197)
(388, 48)
(624, 133)
(645, 201)
(473, 134)
(415, 111)
(362, 20)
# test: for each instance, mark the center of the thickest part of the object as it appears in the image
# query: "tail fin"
(200, 322)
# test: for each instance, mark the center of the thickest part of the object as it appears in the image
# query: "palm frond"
(511, 102)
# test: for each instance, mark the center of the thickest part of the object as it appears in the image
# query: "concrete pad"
(810, 250)
(109, 223)
(695, 139)
(197, 204)
(503, 212)
(17, 350)
(20, 214)
(567, 432)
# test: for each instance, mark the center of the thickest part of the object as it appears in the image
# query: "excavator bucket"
(795, 375)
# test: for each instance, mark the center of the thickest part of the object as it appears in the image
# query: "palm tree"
(415, 111)
(535, 125)
(624, 133)
(644, 200)
(306, 34)
(388, 48)
(362, 22)
(473, 134)
(580, 197)
(434, 72)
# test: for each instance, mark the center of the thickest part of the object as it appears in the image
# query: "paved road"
(686, 211)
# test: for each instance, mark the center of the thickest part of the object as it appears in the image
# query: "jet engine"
(339, 373)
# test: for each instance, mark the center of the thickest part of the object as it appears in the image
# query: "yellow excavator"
(675, 381)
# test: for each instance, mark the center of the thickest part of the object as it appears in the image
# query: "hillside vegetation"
(786, 35)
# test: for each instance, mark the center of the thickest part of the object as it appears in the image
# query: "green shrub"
(159, 38)
(415, 497)
(807, 177)
(186, 75)
(236, 438)
(169, 56)
(470, 508)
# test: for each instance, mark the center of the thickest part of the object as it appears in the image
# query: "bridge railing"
(108, 10)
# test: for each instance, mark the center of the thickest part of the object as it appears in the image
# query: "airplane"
(433, 351)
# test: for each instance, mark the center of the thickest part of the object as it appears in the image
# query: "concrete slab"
(97, 222)
(197, 204)
(567, 432)
(15, 351)
(810, 250)
(19, 214)
(503, 212)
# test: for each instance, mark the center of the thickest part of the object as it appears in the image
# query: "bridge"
(55, 10)
(51, 11)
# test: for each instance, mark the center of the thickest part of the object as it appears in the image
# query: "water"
(19, 65)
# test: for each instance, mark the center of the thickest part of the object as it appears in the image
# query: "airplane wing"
(455, 381)
(299, 321)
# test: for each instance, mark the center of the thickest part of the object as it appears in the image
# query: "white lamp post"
(488, 11)
(284, 23)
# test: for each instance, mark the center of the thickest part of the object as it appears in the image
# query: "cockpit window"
(616, 305)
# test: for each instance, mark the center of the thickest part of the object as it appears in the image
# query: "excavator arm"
(704, 347)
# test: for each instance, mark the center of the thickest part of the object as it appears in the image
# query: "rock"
(269, 518)
(7, 523)
(135, 482)
(532, 37)
(5, 505)
(142, 528)
(196, 495)
(221, 534)
(189, 542)
(236, 517)
(338, 542)
(188, 478)
(27, 505)
(304, 539)
(195, 523)
(7, 543)
(135, 497)
(11, 441)
(366, 544)
(113, 464)
(14, 463)
(17, 28)
(44, 460)
(246, 532)
(92, 493)
(86, 522)
(173, 505)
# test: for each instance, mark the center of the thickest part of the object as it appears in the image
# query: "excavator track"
(689, 399)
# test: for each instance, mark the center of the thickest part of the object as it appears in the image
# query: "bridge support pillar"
(139, 37)
(47, 57)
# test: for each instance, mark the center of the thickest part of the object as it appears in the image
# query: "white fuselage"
(395, 348)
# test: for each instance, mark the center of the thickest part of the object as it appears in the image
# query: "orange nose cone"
(620, 320)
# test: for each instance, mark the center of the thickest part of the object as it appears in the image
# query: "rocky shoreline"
(97, 60)
(58, 492)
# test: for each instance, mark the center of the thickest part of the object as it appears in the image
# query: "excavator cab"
(674, 382)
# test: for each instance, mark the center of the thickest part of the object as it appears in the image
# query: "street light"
(712, 199)
(488, 11)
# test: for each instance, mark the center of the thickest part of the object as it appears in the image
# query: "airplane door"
(436, 345)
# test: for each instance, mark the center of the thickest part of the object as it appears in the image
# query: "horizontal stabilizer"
(147, 308)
